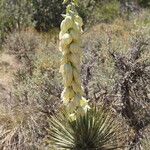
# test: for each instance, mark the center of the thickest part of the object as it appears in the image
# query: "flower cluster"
(70, 46)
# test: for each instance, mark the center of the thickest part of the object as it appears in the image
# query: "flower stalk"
(70, 46)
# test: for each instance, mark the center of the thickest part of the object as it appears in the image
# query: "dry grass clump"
(21, 128)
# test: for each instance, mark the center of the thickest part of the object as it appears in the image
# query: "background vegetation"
(115, 70)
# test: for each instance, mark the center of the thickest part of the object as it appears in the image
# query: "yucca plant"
(95, 130)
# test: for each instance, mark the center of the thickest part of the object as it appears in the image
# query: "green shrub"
(144, 3)
(107, 12)
(94, 12)
(47, 14)
(14, 14)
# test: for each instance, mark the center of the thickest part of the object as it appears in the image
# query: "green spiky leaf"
(94, 130)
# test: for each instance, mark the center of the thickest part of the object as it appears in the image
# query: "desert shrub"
(45, 83)
(116, 69)
(103, 38)
(146, 144)
(23, 45)
(21, 128)
(94, 12)
(144, 3)
(41, 89)
(143, 18)
(43, 86)
(107, 12)
(34, 95)
(14, 14)
(47, 14)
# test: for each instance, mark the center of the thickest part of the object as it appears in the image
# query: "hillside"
(115, 75)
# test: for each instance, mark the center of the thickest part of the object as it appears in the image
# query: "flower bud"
(66, 24)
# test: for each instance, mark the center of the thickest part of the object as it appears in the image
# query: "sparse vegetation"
(115, 75)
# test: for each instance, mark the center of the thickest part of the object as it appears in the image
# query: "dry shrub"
(120, 37)
(35, 92)
(22, 44)
(116, 72)
(21, 128)
(43, 87)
